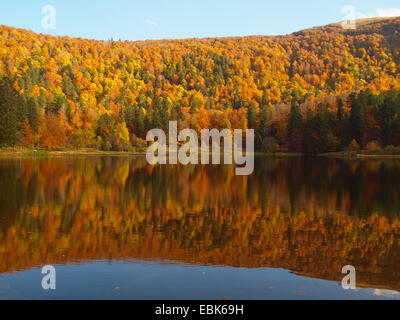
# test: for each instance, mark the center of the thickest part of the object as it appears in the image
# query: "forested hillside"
(318, 90)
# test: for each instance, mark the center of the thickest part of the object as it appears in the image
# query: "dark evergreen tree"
(262, 131)
(357, 117)
(10, 102)
(251, 116)
(33, 112)
(294, 119)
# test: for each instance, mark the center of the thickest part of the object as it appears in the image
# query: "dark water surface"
(115, 227)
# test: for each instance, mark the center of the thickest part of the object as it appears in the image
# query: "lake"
(115, 227)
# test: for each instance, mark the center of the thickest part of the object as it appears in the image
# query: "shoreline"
(353, 155)
(7, 152)
(350, 155)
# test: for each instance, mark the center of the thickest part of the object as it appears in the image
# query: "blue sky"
(172, 19)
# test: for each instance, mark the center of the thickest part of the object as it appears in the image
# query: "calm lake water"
(117, 228)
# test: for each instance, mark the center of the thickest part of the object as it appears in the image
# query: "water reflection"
(311, 216)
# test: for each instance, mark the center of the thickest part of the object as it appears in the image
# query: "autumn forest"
(320, 90)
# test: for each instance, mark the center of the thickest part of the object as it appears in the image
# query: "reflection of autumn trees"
(309, 216)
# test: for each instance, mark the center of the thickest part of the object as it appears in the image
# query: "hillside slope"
(82, 93)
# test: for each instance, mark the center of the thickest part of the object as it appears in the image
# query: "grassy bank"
(7, 152)
(278, 154)
(360, 155)
(10, 152)
(31, 152)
